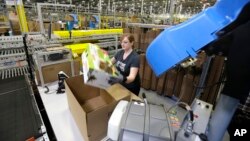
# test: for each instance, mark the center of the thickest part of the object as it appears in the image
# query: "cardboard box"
(50, 72)
(97, 67)
(92, 107)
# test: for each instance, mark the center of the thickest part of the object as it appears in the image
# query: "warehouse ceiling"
(135, 6)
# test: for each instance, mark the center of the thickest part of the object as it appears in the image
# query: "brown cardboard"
(141, 70)
(171, 81)
(151, 33)
(149, 40)
(216, 78)
(4, 30)
(136, 45)
(119, 92)
(126, 30)
(146, 83)
(154, 82)
(144, 46)
(50, 72)
(137, 37)
(161, 83)
(187, 92)
(137, 30)
(142, 40)
(68, 18)
(210, 93)
(201, 58)
(33, 26)
(177, 88)
(91, 107)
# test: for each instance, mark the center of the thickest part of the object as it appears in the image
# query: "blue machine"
(177, 43)
(71, 24)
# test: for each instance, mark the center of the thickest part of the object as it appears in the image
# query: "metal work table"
(61, 120)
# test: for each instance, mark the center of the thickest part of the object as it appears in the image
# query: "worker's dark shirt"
(123, 66)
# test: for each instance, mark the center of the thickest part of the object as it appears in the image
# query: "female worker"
(127, 63)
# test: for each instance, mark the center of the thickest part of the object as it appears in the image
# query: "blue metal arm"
(177, 43)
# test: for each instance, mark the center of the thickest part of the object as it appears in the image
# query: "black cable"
(47, 89)
(202, 136)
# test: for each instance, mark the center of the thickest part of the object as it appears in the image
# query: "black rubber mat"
(19, 119)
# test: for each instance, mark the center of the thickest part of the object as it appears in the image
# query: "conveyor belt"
(19, 118)
(13, 72)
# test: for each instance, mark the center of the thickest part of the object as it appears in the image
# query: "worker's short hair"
(130, 37)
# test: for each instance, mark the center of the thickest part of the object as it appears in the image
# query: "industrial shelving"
(147, 25)
(13, 61)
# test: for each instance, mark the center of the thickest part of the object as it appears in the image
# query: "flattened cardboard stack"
(97, 67)
(210, 93)
(188, 90)
(161, 83)
(143, 36)
(154, 80)
(174, 82)
(141, 70)
(92, 107)
(146, 83)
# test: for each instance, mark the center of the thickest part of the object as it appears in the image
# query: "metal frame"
(39, 63)
(148, 25)
(39, 11)
(12, 49)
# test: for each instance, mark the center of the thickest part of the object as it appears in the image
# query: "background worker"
(127, 62)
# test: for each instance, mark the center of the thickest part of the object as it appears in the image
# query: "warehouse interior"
(52, 88)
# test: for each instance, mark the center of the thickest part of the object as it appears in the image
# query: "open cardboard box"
(92, 107)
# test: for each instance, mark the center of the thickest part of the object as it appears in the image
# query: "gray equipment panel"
(144, 122)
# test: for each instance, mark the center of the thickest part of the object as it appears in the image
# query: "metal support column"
(203, 76)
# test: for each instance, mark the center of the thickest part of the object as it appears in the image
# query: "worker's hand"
(114, 80)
